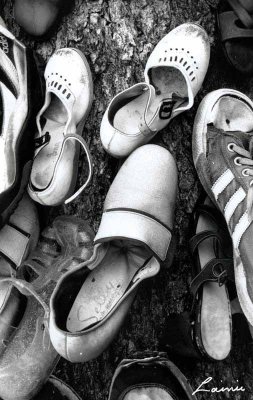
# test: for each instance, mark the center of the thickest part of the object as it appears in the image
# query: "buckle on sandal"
(41, 141)
(166, 109)
(220, 274)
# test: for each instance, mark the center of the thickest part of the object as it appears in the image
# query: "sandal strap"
(216, 270)
(197, 239)
(10, 234)
(213, 213)
(240, 8)
(84, 145)
(229, 29)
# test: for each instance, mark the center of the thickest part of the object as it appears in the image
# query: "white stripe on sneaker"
(233, 203)
(240, 228)
(222, 182)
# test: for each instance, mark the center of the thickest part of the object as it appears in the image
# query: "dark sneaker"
(223, 157)
(19, 105)
(150, 378)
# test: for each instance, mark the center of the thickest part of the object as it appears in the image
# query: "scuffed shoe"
(174, 74)
(29, 357)
(68, 99)
(17, 239)
(20, 101)
(89, 303)
(223, 157)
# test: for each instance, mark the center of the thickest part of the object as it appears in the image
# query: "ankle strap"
(89, 159)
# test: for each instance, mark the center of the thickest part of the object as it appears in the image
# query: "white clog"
(174, 74)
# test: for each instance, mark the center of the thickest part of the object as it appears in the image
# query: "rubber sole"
(199, 156)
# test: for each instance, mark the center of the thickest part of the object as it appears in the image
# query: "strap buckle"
(220, 274)
(166, 109)
(41, 141)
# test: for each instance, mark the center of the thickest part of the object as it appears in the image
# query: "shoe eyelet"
(245, 172)
(236, 161)
(230, 147)
(251, 183)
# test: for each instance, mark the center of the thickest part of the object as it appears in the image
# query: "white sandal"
(174, 74)
(68, 99)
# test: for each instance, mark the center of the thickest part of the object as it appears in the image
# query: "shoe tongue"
(244, 139)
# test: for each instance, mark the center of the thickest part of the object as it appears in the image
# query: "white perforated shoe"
(174, 74)
(68, 98)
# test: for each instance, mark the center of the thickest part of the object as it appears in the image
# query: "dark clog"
(153, 378)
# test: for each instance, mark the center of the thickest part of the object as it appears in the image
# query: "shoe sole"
(199, 158)
(25, 143)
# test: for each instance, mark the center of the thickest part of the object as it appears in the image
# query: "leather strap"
(8, 236)
(200, 237)
(134, 225)
(242, 8)
(228, 28)
(213, 213)
(216, 270)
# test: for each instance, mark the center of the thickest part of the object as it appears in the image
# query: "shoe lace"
(245, 158)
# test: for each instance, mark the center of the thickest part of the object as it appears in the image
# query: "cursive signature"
(217, 390)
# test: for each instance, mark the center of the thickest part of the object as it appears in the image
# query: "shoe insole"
(148, 393)
(44, 163)
(167, 81)
(215, 310)
(232, 114)
(106, 284)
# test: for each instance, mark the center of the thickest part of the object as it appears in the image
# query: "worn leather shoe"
(89, 304)
(19, 102)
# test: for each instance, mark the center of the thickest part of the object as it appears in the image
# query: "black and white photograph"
(126, 199)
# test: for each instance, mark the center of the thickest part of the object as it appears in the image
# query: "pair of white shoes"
(173, 75)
